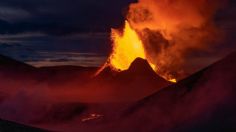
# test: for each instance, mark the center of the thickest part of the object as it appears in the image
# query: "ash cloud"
(174, 30)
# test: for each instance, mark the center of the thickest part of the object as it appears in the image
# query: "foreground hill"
(202, 102)
(7, 126)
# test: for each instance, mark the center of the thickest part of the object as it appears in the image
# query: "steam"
(171, 30)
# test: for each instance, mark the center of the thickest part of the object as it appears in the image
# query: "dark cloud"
(13, 14)
(61, 16)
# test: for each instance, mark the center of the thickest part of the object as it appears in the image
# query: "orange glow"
(126, 48)
(173, 80)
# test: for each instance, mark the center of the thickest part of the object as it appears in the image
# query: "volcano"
(138, 68)
(138, 81)
(137, 100)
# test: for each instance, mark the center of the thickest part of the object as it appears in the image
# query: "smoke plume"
(172, 30)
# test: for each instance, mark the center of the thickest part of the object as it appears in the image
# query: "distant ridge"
(7, 62)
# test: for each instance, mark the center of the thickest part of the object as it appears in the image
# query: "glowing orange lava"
(127, 46)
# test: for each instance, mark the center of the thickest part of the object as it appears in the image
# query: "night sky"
(76, 32)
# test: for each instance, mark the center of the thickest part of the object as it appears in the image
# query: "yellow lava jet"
(126, 48)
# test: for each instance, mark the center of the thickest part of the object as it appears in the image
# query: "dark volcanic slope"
(142, 71)
(140, 67)
(203, 102)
